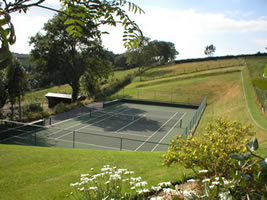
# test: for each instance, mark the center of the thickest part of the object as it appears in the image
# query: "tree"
(151, 52)
(17, 84)
(3, 89)
(209, 50)
(80, 14)
(57, 52)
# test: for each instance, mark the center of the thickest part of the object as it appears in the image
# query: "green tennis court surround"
(119, 125)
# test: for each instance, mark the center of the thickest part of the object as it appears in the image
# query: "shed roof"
(59, 95)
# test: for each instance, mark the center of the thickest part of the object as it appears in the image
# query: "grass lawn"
(46, 173)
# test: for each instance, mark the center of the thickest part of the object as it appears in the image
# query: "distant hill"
(24, 59)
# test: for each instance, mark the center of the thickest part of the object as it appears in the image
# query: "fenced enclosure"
(125, 125)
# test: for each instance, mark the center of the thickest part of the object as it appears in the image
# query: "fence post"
(73, 142)
(181, 121)
(35, 138)
(121, 145)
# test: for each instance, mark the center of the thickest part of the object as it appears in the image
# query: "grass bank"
(46, 173)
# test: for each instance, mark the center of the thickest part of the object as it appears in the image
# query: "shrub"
(34, 107)
(212, 150)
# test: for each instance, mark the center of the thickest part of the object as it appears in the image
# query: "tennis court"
(116, 126)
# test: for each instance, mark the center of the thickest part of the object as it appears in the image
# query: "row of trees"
(70, 50)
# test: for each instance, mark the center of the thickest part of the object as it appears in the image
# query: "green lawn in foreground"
(46, 173)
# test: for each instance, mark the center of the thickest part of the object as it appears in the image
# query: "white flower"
(164, 184)
(74, 184)
(81, 189)
(128, 172)
(205, 180)
(115, 177)
(84, 175)
(157, 198)
(191, 180)
(107, 182)
(203, 171)
(141, 191)
(155, 188)
(92, 169)
(126, 179)
(92, 188)
(215, 182)
(169, 191)
(141, 184)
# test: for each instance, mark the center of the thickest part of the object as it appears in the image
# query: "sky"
(232, 26)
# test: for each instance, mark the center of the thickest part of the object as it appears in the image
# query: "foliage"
(209, 50)
(247, 181)
(98, 68)
(212, 150)
(3, 89)
(63, 57)
(33, 107)
(115, 86)
(17, 83)
(260, 83)
(151, 53)
(7, 37)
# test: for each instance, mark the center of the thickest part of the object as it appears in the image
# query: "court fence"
(187, 97)
(191, 126)
(29, 134)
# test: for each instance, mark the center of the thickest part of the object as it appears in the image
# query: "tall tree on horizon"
(210, 50)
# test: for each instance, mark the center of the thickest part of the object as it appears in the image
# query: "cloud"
(189, 29)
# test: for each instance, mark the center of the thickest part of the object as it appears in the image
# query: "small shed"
(55, 98)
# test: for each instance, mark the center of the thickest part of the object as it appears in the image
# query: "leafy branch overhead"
(81, 15)
(84, 14)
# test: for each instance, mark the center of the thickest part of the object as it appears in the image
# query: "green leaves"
(263, 165)
(252, 145)
(240, 157)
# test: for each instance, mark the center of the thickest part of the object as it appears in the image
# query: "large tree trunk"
(75, 90)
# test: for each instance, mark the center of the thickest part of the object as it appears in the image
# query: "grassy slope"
(256, 67)
(45, 173)
(39, 95)
(220, 81)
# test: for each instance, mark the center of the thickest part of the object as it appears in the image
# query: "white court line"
(78, 116)
(122, 133)
(156, 132)
(77, 124)
(169, 132)
(26, 133)
(130, 123)
(90, 124)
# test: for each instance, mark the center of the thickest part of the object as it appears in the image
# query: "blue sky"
(233, 26)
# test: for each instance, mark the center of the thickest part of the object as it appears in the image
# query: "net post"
(121, 145)
(181, 122)
(50, 121)
(73, 141)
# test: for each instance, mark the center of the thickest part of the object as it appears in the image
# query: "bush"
(34, 107)
(212, 150)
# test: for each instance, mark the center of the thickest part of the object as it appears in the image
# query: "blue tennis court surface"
(119, 126)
